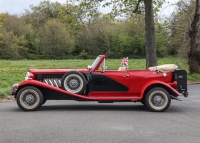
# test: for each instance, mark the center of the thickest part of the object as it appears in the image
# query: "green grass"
(194, 77)
(14, 71)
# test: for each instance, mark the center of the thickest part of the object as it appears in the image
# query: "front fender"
(47, 86)
(154, 83)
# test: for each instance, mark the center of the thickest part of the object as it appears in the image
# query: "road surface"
(91, 122)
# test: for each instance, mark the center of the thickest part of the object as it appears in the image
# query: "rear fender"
(167, 86)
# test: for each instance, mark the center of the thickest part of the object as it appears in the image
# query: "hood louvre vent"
(53, 81)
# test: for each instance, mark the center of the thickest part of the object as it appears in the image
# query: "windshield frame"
(97, 62)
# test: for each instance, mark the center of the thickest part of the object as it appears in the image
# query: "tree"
(126, 7)
(194, 53)
(179, 25)
(54, 30)
(94, 36)
(150, 46)
(184, 33)
(55, 40)
(13, 43)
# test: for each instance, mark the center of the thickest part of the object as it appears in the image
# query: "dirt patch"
(7, 99)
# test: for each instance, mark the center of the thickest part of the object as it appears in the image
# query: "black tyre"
(44, 101)
(142, 102)
(157, 99)
(74, 82)
(29, 98)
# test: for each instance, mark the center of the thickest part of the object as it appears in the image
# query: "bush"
(83, 55)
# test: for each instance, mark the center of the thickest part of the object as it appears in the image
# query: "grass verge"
(14, 71)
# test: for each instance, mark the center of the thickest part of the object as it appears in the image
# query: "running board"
(114, 98)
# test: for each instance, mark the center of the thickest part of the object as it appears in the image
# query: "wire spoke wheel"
(29, 98)
(157, 99)
(74, 82)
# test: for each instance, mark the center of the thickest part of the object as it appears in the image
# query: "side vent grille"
(53, 81)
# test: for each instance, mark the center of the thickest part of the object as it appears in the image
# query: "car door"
(110, 81)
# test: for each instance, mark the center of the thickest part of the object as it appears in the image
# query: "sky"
(18, 6)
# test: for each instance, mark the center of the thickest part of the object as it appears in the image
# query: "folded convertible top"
(164, 68)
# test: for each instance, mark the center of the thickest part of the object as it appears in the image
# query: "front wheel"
(29, 98)
(44, 101)
(157, 99)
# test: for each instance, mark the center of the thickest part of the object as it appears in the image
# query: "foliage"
(13, 42)
(184, 35)
(179, 26)
(60, 31)
(161, 40)
(55, 40)
(83, 55)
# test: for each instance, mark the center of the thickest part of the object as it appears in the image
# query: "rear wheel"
(29, 98)
(157, 99)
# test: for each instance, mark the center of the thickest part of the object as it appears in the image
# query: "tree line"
(52, 30)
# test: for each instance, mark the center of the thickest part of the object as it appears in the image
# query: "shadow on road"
(95, 107)
(175, 107)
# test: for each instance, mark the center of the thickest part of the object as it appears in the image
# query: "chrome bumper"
(14, 89)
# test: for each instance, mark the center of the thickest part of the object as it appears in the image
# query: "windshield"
(94, 64)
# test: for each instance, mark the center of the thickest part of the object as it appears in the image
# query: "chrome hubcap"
(73, 83)
(158, 100)
(29, 99)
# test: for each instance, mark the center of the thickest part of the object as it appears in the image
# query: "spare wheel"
(74, 82)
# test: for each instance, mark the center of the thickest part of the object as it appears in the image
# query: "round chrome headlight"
(27, 76)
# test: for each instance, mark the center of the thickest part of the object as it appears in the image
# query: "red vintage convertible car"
(153, 87)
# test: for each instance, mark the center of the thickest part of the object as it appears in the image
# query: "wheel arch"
(86, 76)
(168, 88)
(25, 85)
(48, 93)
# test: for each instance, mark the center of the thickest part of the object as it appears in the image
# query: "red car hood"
(54, 71)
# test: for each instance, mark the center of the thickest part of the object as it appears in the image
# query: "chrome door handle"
(125, 75)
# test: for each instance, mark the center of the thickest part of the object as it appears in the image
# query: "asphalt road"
(91, 122)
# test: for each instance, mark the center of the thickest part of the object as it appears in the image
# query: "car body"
(153, 88)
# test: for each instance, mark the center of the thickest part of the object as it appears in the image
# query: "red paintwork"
(41, 84)
(136, 80)
(55, 71)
